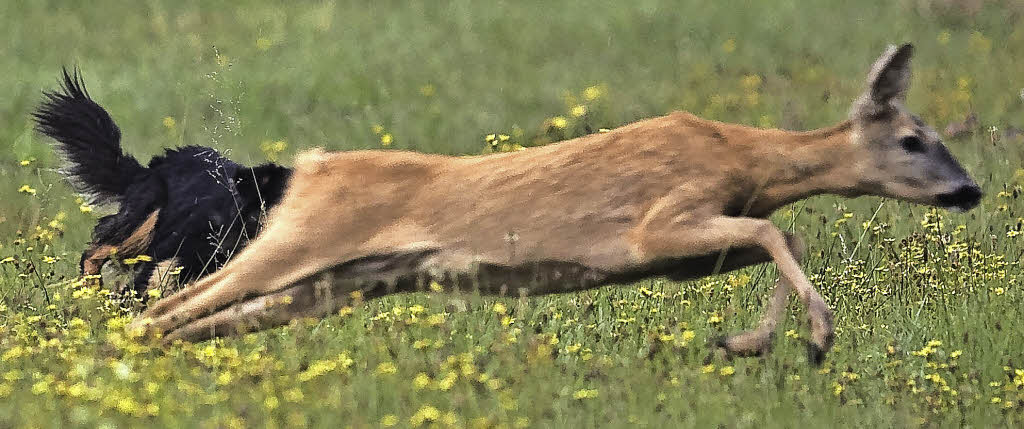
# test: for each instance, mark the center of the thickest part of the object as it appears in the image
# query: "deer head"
(899, 155)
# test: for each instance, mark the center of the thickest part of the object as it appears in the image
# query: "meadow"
(928, 303)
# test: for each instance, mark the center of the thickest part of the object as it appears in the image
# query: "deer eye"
(912, 144)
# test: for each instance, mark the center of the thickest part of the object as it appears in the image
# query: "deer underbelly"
(427, 269)
(424, 270)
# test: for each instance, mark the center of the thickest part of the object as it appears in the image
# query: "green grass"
(438, 78)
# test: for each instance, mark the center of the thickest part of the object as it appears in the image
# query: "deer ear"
(887, 81)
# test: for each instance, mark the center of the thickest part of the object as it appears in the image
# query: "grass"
(928, 303)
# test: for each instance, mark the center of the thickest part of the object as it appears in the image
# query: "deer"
(675, 196)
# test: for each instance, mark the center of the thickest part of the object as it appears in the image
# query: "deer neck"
(797, 165)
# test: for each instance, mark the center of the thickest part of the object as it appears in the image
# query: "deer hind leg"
(169, 303)
(267, 286)
(661, 239)
(314, 296)
(270, 264)
(310, 297)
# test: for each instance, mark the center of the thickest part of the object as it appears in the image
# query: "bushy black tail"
(89, 140)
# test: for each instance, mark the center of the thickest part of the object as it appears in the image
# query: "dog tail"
(89, 141)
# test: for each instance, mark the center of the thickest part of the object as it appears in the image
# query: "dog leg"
(94, 257)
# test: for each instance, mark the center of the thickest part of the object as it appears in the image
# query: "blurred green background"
(914, 289)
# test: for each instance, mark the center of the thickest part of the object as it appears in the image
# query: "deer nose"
(966, 197)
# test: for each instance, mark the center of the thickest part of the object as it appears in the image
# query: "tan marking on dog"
(137, 243)
(663, 196)
(96, 256)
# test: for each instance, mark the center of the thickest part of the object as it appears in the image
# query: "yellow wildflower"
(559, 122)
(435, 319)
(750, 81)
(293, 395)
(389, 420)
(585, 394)
(436, 287)
(425, 414)
(386, 368)
(729, 46)
(421, 381)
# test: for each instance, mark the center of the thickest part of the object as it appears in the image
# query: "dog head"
(259, 189)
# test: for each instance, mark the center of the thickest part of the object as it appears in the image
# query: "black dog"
(190, 208)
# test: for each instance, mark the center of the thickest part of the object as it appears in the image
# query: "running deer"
(675, 196)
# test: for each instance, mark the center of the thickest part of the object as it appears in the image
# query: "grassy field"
(928, 303)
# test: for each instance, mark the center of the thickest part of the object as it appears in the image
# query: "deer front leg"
(758, 341)
(663, 238)
(755, 342)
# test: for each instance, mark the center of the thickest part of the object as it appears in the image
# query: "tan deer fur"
(676, 195)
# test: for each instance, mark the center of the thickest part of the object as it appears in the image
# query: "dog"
(184, 214)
